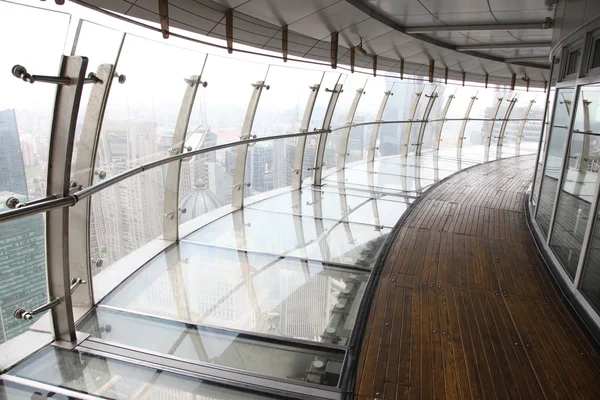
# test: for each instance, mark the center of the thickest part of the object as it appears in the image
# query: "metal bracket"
(21, 313)
(20, 72)
(193, 82)
(260, 86)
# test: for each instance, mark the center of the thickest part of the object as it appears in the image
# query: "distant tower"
(22, 250)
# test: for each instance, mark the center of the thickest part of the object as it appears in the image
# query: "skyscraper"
(22, 251)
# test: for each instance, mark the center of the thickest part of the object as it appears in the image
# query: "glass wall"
(559, 133)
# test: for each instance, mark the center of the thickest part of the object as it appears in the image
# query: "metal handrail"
(71, 199)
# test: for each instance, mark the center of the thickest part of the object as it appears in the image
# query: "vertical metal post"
(352, 59)
(318, 166)
(229, 30)
(431, 70)
(343, 149)
(373, 140)
(461, 133)
(584, 158)
(402, 69)
(239, 174)
(171, 202)
(512, 102)
(413, 111)
(488, 137)
(301, 143)
(375, 66)
(438, 132)
(565, 163)
(79, 218)
(522, 128)
(163, 14)
(62, 138)
(426, 113)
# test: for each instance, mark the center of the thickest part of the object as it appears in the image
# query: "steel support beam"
(171, 202)
(438, 131)
(334, 49)
(79, 218)
(375, 66)
(239, 174)
(352, 59)
(431, 70)
(526, 59)
(461, 133)
(343, 149)
(62, 137)
(284, 42)
(514, 45)
(301, 143)
(522, 128)
(163, 15)
(375, 132)
(318, 167)
(432, 97)
(402, 69)
(547, 24)
(413, 111)
(229, 30)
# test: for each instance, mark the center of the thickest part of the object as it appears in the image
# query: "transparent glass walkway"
(263, 299)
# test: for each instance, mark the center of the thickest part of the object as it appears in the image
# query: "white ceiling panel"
(250, 24)
(148, 5)
(120, 6)
(394, 7)
(416, 20)
(386, 42)
(230, 3)
(516, 16)
(189, 20)
(198, 8)
(455, 38)
(331, 19)
(301, 39)
(367, 30)
(142, 13)
(503, 5)
(283, 12)
(451, 6)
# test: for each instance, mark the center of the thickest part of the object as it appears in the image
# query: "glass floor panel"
(228, 349)
(245, 291)
(100, 376)
(364, 192)
(403, 170)
(446, 162)
(341, 207)
(285, 234)
(383, 181)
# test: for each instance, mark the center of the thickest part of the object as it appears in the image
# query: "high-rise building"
(22, 251)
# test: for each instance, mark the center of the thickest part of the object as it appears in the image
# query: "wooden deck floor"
(466, 309)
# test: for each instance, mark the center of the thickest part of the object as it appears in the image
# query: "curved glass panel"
(558, 140)
(111, 379)
(579, 183)
(330, 79)
(532, 130)
(127, 215)
(222, 104)
(458, 109)
(143, 111)
(590, 280)
(26, 112)
(427, 95)
(341, 117)
(398, 108)
(269, 165)
(281, 108)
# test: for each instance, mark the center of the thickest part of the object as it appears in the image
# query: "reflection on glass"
(387, 166)
(554, 157)
(579, 182)
(269, 165)
(306, 237)
(100, 376)
(245, 291)
(342, 207)
(208, 345)
(14, 391)
(25, 122)
(590, 280)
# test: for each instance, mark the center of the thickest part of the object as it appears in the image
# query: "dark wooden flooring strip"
(465, 308)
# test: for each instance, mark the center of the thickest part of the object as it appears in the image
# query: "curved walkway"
(465, 307)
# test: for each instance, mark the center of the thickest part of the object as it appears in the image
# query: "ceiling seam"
(432, 14)
(131, 6)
